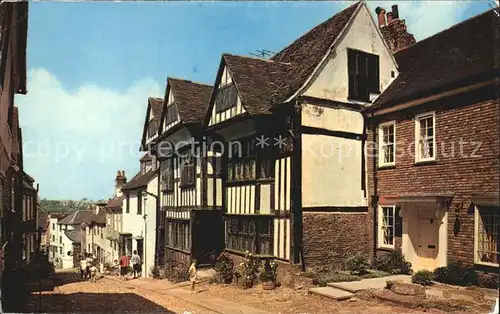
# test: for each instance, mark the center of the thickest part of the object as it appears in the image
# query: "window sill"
(486, 264)
(425, 162)
(386, 248)
(187, 186)
(385, 167)
(366, 101)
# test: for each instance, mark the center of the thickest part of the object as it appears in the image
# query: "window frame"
(418, 118)
(254, 235)
(381, 152)
(171, 114)
(127, 204)
(168, 175)
(139, 203)
(477, 259)
(355, 79)
(380, 231)
(232, 100)
(188, 172)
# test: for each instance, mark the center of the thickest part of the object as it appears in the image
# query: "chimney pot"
(381, 16)
(123, 173)
(389, 18)
(395, 13)
(118, 173)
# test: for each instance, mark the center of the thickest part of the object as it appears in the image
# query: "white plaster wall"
(332, 119)
(150, 234)
(67, 245)
(332, 81)
(132, 222)
(331, 171)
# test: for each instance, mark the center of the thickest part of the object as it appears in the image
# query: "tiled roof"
(156, 105)
(190, 98)
(115, 202)
(76, 217)
(43, 220)
(306, 53)
(258, 81)
(74, 235)
(140, 180)
(464, 51)
(26, 185)
(15, 134)
(146, 157)
(100, 218)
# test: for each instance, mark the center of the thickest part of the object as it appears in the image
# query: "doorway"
(427, 239)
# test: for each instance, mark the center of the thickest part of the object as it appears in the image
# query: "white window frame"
(419, 117)
(380, 231)
(381, 154)
(477, 259)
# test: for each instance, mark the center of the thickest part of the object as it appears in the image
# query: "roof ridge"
(449, 28)
(255, 58)
(187, 81)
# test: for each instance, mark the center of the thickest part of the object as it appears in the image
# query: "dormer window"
(363, 71)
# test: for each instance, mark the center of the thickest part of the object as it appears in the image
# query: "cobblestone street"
(107, 295)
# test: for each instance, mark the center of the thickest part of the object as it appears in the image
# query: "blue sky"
(92, 66)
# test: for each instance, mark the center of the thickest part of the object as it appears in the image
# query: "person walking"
(136, 264)
(124, 263)
(83, 267)
(192, 275)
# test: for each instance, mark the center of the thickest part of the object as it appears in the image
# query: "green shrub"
(268, 271)
(393, 263)
(456, 274)
(357, 264)
(423, 277)
(490, 281)
(375, 274)
(155, 271)
(224, 269)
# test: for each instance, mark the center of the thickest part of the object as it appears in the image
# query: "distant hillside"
(64, 205)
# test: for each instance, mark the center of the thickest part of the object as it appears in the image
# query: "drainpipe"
(374, 199)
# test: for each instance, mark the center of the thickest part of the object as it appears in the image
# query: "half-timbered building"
(293, 139)
(189, 177)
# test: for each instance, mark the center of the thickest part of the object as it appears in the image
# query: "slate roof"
(263, 83)
(43, 220)
(445, 59)
(140, 180)
(74, 235)
(190, 98)
(115, 202)
(76, 217)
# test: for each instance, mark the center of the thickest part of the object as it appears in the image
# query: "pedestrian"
(116, 267)
(90, 261)
(136, 264)
(124, 262)
(83, 267)
(192, 275)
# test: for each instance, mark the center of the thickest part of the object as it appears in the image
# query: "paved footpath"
(181, 291)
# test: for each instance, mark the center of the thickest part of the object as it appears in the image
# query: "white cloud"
(425, 18)
(75, 142)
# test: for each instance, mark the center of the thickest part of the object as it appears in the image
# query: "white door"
(428, 239)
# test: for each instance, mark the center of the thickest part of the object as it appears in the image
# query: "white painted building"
(139, 214)
(69, 232)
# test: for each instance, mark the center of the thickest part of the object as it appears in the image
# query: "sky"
(92, 66)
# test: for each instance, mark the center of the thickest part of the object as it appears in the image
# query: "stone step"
(332, 293)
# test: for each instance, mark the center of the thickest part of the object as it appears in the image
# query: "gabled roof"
(75, 235)
(146, 157)
(115, 202)
(306, 53)
(154, 105)
(447, 59)
(140, 180)
(76, 217)
(43, 220)
(259, 82)
(190, 98)
(99, 218)
(263, 83)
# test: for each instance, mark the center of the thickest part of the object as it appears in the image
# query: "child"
(192, 275)
(93, 273)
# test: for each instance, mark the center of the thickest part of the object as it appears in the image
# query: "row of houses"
(353, 139)
(19, 239)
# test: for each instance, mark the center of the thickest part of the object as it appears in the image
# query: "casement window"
(167, 175)
(252, 234)
(139, 203)
(242, 163)
(226, 98)
(171, 115)
(266, 161)
(188, 172)
(387, 144)
(425, 137)
(363, 71)
(487, 235)
(389, 226)
(178, 235)
(127, 204)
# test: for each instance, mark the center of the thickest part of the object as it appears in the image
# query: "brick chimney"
(381, 16)
(120, 180)
(395, 32)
